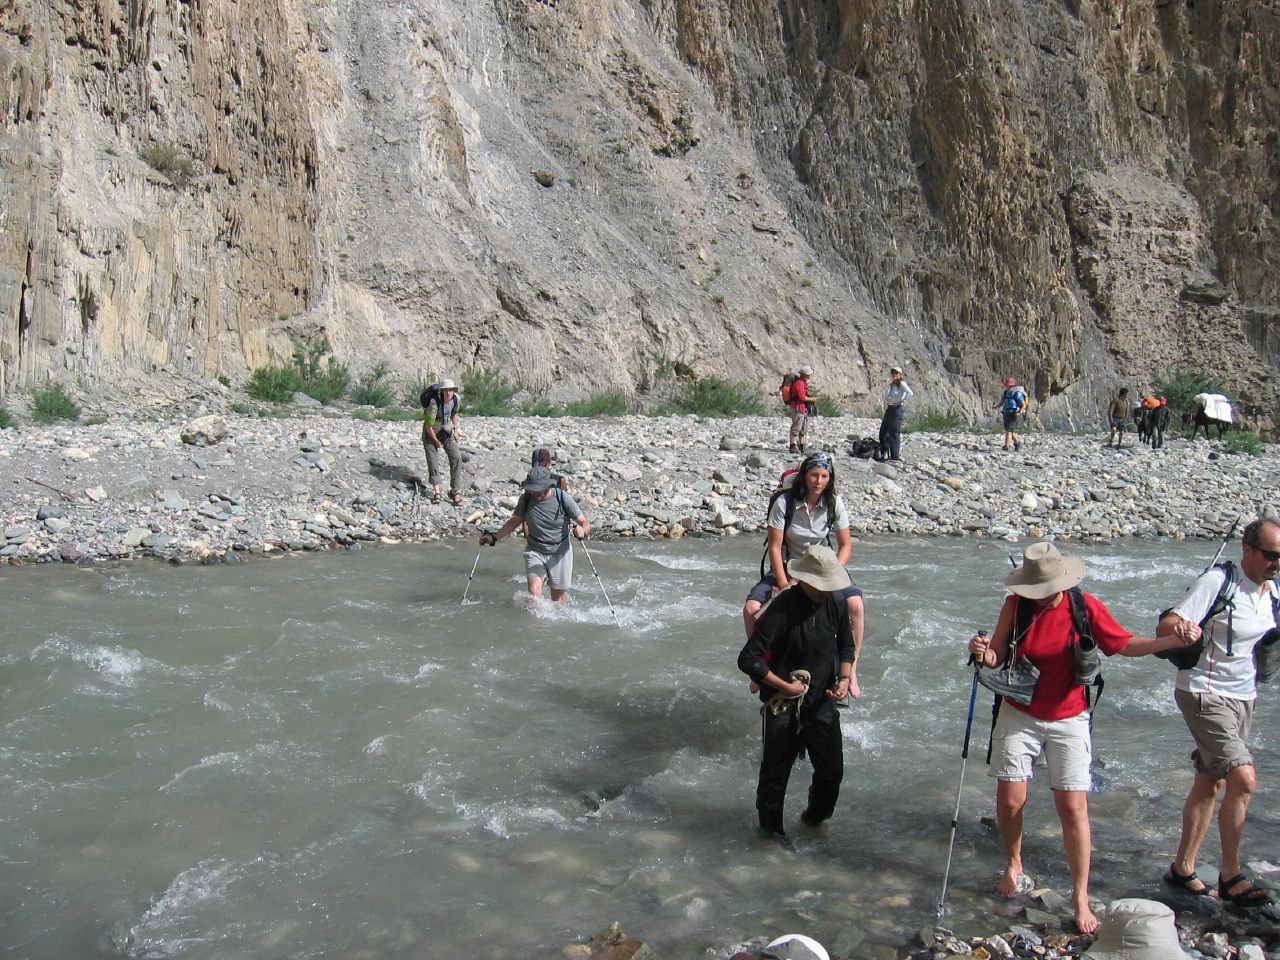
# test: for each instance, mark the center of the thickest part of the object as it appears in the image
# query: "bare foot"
(1011, 883)
(1086, 922)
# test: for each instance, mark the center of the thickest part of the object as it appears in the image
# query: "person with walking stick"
(551, 514)
(1047, 633)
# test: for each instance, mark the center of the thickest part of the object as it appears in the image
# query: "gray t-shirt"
(548, 520)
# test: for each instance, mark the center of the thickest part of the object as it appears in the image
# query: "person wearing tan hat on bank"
(1036, 620)
(440, 434)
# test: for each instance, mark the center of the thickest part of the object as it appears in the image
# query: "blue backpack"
(1013, 399)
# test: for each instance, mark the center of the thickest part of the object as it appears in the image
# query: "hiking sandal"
(455, 498)
(1251, 896)
(1185, 881)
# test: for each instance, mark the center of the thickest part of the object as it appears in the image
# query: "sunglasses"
(1271, 556)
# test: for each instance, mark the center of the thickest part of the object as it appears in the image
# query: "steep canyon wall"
(581, 192)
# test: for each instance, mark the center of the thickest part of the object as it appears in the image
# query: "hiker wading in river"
(550, 514)
(1037, 621)
(1216, 694)
(811, 652)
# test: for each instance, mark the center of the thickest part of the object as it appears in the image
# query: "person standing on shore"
(1216, 697)
(550, 514)
(1036, 622)
(1012, 405)
(898, 393)
(812, 653)
(1117, 416)
(800, 404)
(440, 435)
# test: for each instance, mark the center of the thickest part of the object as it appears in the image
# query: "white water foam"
(116, 665)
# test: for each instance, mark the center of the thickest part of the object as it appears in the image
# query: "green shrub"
(53, 403)
(486, 393)
(274, 384)
(6, 418)
(935, 421)
(245, 409)
(1183, 384)
(373, 390)
(718, 397)
(826, 407)
(167, 159)
(609, 403)
(224, 380)
(330, 383)
(96, 420)
(397, 414)
(1244, 441)
(542, 407)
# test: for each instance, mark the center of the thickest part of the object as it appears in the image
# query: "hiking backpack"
(430, 395)
(1013, 400)
(784, 389)
(1184, 658)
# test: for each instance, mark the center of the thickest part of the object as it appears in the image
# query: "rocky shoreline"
(208, 487)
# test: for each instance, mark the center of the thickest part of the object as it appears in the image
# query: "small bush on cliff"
(608, 403)
(1182, 385)
(167, 159)
(541, 407)
(486, 393)
(330, 383)
(373, 390)
(718, 397)
(6, 419)
(935, 421)
(53, 403)
(826, 407)
(274, 384)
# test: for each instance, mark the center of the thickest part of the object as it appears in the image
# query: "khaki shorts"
(555, 568)
(1067, 745)
(1220, 727)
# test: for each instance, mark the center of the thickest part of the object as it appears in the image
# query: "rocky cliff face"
(580, 192)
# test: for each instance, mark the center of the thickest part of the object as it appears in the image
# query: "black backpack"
(430, 395)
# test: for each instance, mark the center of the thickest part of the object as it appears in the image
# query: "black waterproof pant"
(891, 433)
(819, 734)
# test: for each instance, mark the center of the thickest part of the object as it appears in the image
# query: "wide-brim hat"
(1044, 572)
(1010, 382)
(819, 568)
(895, 369)
(806, 371)
(539, 479)
(1137, 929)
(450, 385)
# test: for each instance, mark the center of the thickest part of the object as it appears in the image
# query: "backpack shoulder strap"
(1080, 616)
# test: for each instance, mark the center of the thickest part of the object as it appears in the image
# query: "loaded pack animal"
(1210, 410)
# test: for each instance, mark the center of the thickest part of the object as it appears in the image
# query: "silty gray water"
(331, 756)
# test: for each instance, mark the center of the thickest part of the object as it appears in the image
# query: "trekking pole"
(1225, 540)
(583, 541)
(470, 575)
(964, 759)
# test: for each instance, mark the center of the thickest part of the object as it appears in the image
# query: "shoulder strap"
(1226, 599)
(1080, 621)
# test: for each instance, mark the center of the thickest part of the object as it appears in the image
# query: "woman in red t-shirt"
(1056, 721)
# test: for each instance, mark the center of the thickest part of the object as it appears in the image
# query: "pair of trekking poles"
(968, 729)
(595, 572)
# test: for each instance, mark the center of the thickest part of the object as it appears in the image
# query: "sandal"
(455, 498)
(1188, 881)
(435, 496)
(1251, 896)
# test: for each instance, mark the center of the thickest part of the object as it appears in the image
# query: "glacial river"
(332, 756)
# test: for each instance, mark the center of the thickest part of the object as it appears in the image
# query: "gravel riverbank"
(321, 479)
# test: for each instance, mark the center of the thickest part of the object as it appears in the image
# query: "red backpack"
(788, 379)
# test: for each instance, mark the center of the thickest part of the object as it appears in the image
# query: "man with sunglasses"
(1216, 698)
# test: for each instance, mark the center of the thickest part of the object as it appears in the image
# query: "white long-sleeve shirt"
(898, 394)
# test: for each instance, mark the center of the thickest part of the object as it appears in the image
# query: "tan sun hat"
(1044, 572)
(819, 568)
(806, 371)
(895, 369)
(1136, 929)
(450, 385)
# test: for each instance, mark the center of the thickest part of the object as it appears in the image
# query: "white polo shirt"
(807, 528)
(1216, 673)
